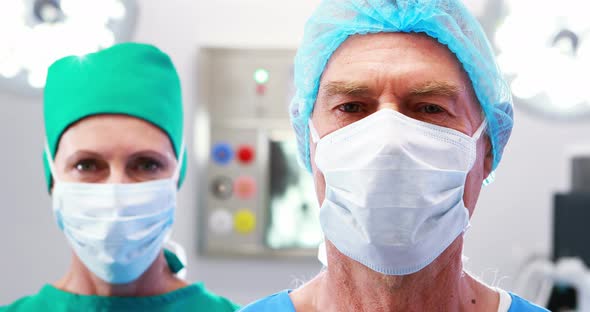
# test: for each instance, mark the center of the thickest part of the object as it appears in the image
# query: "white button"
(221, 222)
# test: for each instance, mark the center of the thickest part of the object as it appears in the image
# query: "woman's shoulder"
(194, 296)
(213, 301)
(36, 302)
(279, 302)
(21, 305)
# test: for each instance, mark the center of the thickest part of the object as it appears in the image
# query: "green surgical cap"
(130, 79)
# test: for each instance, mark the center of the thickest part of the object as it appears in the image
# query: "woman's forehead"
(114, 134)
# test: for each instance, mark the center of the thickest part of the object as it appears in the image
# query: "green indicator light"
(261, 76)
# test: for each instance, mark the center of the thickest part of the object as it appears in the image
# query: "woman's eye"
(350, 107)
(431, 109)
(148, 165)
(86, 165)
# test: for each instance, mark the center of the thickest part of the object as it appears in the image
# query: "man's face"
(410, 73)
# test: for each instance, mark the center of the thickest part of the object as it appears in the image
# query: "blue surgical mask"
(117, 230)
(394, 190)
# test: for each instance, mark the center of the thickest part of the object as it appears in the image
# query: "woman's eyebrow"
(81, 154)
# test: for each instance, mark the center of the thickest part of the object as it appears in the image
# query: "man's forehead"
(386, 40)
(383, 46)
(370, 47)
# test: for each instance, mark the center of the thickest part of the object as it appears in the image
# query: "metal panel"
(243, 110)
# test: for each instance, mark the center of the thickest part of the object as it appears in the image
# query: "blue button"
(222, 153)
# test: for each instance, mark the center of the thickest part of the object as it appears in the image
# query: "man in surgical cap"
(401, 115)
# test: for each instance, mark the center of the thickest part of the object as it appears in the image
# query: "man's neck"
(157, 280)
(347, 285)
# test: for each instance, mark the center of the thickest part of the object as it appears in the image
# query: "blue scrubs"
(281, 302)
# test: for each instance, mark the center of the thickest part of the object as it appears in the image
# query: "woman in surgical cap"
(114, 160)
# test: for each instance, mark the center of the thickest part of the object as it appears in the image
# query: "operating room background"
(512, 221)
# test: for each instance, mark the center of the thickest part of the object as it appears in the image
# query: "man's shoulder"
(522, 305)
(279, 302)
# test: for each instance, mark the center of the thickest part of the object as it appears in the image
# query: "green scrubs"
(190, 298)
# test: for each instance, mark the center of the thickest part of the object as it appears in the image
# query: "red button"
(260, 89)
(245, 154)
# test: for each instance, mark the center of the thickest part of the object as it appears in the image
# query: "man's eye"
(350, 107)
(86, 165)
(431, 109)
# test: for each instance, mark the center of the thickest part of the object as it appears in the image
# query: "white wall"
(511, 221)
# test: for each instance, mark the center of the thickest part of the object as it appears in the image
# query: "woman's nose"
(118, 175)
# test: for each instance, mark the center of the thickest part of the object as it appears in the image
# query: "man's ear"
(489, 157)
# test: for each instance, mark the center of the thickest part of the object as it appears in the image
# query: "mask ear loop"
(176, 175)
(480, 130)
(322, 254)
(50, 161)
(178, 250)
(476, 136)
(315, 137)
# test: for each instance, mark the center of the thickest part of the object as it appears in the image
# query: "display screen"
(294, 211)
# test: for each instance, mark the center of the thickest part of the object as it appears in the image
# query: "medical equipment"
(254, 199)
(564, 281)
(581, 173)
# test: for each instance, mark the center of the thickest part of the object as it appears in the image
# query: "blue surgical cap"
(447, 21)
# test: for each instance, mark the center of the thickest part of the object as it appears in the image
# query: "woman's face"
(114, 149)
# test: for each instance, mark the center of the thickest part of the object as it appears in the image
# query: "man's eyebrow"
(437, 88)
(429, 88)
(351, 88)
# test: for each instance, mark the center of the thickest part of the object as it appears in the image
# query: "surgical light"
(35, 33)
(545, 52)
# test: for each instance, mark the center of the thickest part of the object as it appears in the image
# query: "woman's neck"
(157, 280)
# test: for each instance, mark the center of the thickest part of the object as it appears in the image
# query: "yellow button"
(244, 221)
